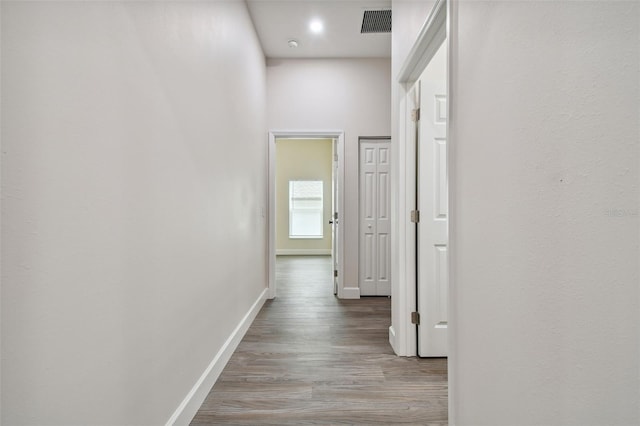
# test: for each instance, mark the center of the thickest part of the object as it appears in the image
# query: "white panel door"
(433, 283)
(375, 220)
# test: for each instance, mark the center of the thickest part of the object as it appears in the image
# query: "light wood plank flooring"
(312, 359)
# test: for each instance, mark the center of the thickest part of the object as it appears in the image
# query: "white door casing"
(433, 284)
(334, 219)
(375, 220)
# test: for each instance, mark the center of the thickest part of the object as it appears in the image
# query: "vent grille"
(376, 21)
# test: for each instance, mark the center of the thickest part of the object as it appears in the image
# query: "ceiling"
(278, 21)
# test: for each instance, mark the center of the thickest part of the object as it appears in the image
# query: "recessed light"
(293, 43)
(316, 26)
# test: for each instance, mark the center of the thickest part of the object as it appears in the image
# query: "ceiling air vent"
(376, 21)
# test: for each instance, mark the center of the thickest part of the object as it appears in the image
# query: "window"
(305, 209)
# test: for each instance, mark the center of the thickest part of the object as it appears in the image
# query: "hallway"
(310, 358)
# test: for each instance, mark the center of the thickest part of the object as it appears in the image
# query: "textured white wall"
(334, 94)
(545, 215)
(409, 17)
(132, 240)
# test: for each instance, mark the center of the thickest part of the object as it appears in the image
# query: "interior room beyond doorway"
(303, 196)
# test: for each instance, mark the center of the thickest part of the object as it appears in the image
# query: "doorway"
(425, 261)
(306, 228)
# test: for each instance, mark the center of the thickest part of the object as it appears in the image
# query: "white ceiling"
(278, 21)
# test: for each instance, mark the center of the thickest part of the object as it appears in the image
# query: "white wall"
(545, 221)
(334, 94)
(408, 18)
(132, 189)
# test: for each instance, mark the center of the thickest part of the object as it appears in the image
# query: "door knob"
(330, 222)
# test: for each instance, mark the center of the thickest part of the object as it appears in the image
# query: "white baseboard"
(392, 340)
(351, 293)
(303, 252)
(196, 396)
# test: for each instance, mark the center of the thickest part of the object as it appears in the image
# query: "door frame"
(434, 32)
(302, 134)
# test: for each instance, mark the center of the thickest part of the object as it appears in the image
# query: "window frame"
(292, 210)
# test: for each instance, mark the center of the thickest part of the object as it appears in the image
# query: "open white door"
(375, 218)
(433, 282)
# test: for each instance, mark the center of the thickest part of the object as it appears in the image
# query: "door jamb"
(303, 134)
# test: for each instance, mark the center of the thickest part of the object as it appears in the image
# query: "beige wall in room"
(300, 159)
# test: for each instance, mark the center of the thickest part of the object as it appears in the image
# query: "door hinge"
(415, 115)
(415, 216)
(415, 318)
(335, 215)
(335, 273)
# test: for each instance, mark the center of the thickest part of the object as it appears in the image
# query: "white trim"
(351, 293)
(430, 38)
(196, 396)
(393, 341)
(303, 252)
(404, 293)
(399, 236)
(303, 134)
(409, 296)
(306, 237)
(452, 53)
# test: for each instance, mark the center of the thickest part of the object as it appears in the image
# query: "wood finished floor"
(312, 359)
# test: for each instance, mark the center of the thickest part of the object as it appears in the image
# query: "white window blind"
(305, 209)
